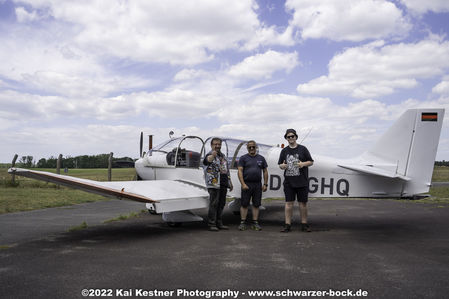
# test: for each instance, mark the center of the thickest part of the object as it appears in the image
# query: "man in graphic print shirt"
(218, 180)
(295, 160)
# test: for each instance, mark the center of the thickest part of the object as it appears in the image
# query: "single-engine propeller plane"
(171, 179)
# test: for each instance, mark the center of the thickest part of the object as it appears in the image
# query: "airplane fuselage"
(399, 164)
(326, 178)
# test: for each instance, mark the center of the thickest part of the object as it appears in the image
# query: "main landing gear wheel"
(152, 212)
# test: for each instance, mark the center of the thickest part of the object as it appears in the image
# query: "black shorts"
(254, 192)
(302, 193)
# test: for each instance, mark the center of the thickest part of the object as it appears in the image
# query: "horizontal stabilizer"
(368, 169)
(166, 193)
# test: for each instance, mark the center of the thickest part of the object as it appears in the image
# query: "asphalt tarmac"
(386, 248)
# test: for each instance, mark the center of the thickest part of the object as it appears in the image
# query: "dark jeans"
(217, 201)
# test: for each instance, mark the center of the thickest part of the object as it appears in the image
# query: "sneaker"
(242, 225)
(287, 228)
(213, 228)
(256, 226)
(223, 227)
(305, 227)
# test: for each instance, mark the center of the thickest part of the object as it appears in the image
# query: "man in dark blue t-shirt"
(295, 159)
(250, 168)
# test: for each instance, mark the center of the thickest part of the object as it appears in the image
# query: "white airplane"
(171, 179)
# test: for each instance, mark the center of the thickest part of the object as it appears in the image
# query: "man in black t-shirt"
(295, 160)
(250, 168)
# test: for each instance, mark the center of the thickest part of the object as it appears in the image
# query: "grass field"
(30, 194)
(440, 174)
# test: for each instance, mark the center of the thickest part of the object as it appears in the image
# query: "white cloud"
(177, 103)
(25, 52)
(74, 65)
(190, 74)
(421, 7)
(442, 87)
(262, 66)
(333, 129)
(48, 63)
(336, 130)
(3, 84)
(86, 139)
(351, 20)
(172, 31)
(25, 16)
(374, 70)
(81, 86)
(24, 107)
(236, 82)
(171, 104)
(269, 36)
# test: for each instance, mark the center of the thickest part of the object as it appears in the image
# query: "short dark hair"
(215, 139)
(251, 141)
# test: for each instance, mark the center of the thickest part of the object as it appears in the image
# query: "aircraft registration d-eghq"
(172, 183)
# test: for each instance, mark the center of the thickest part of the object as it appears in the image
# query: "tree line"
(97, 161)
(84, 161)
(442, 163)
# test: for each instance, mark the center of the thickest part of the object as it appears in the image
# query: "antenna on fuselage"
(307, 135)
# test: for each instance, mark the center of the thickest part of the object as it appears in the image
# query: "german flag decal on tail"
(429, 116)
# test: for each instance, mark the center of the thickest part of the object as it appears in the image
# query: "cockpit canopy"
(189, 151)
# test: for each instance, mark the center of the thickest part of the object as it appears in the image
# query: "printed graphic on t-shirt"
(292, 165)
(223, 166)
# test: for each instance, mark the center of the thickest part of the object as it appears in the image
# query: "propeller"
(141, 143)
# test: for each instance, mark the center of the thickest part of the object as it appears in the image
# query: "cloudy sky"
(87, 76)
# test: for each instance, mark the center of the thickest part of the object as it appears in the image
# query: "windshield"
(182, 151)
(168, 145)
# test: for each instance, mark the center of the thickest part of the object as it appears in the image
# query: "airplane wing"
(367, 169)
(165, 195)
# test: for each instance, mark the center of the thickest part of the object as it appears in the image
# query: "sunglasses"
(251, 147)
(290, 136)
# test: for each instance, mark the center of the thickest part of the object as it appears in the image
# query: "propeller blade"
(141, 143)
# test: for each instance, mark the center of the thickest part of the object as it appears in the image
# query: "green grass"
(33, 198)
(5, 246)
(440, 174)
(438, 195)
(124, 217)
(79, 227)
(29, 194)
(97, 174)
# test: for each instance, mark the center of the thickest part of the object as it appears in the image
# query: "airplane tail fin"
(408, 149)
